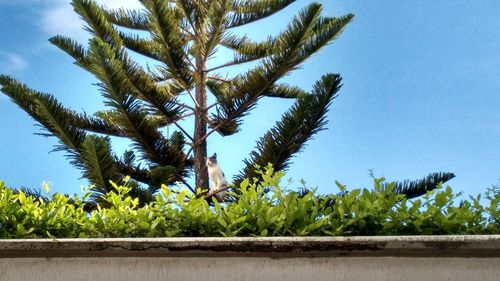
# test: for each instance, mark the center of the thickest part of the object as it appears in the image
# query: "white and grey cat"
(217, 179)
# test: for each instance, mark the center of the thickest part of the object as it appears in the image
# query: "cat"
(217, 178)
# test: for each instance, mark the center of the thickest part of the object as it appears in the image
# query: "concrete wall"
(285, 258)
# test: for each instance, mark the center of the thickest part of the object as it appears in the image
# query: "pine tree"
(182, 36)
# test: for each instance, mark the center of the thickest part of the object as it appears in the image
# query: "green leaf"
(244, 184)
(20, 231)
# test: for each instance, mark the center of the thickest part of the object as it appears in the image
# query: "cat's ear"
(215, 156)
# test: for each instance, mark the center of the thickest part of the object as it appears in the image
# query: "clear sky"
(421, 94)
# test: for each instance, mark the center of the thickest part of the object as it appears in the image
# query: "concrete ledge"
(389, 258)
(481, 246)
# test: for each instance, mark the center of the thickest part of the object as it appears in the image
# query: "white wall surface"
(250, 268)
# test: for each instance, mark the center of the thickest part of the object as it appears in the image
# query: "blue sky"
(421, 94)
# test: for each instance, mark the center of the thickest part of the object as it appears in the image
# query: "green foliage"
(261, 208)
(416, 188)
(288, 136)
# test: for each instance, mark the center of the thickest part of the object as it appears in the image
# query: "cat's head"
(212, 160)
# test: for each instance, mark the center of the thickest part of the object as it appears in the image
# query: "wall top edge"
(279, 247)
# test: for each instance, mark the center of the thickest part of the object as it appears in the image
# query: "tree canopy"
(181, 36)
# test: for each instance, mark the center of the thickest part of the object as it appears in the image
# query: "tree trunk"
(200, 127)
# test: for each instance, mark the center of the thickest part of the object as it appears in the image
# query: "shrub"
(260, 208)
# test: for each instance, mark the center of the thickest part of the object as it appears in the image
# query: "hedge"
(259, 208)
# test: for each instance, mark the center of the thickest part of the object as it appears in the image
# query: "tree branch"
(183, 131)
(190, 62)
(186, 115)
(219, 79)
(212, 105)
(210, 194)
(189, 151)
(192, 97)
(183, 105)
(188, 186)
(223, 65)
(214, 129)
